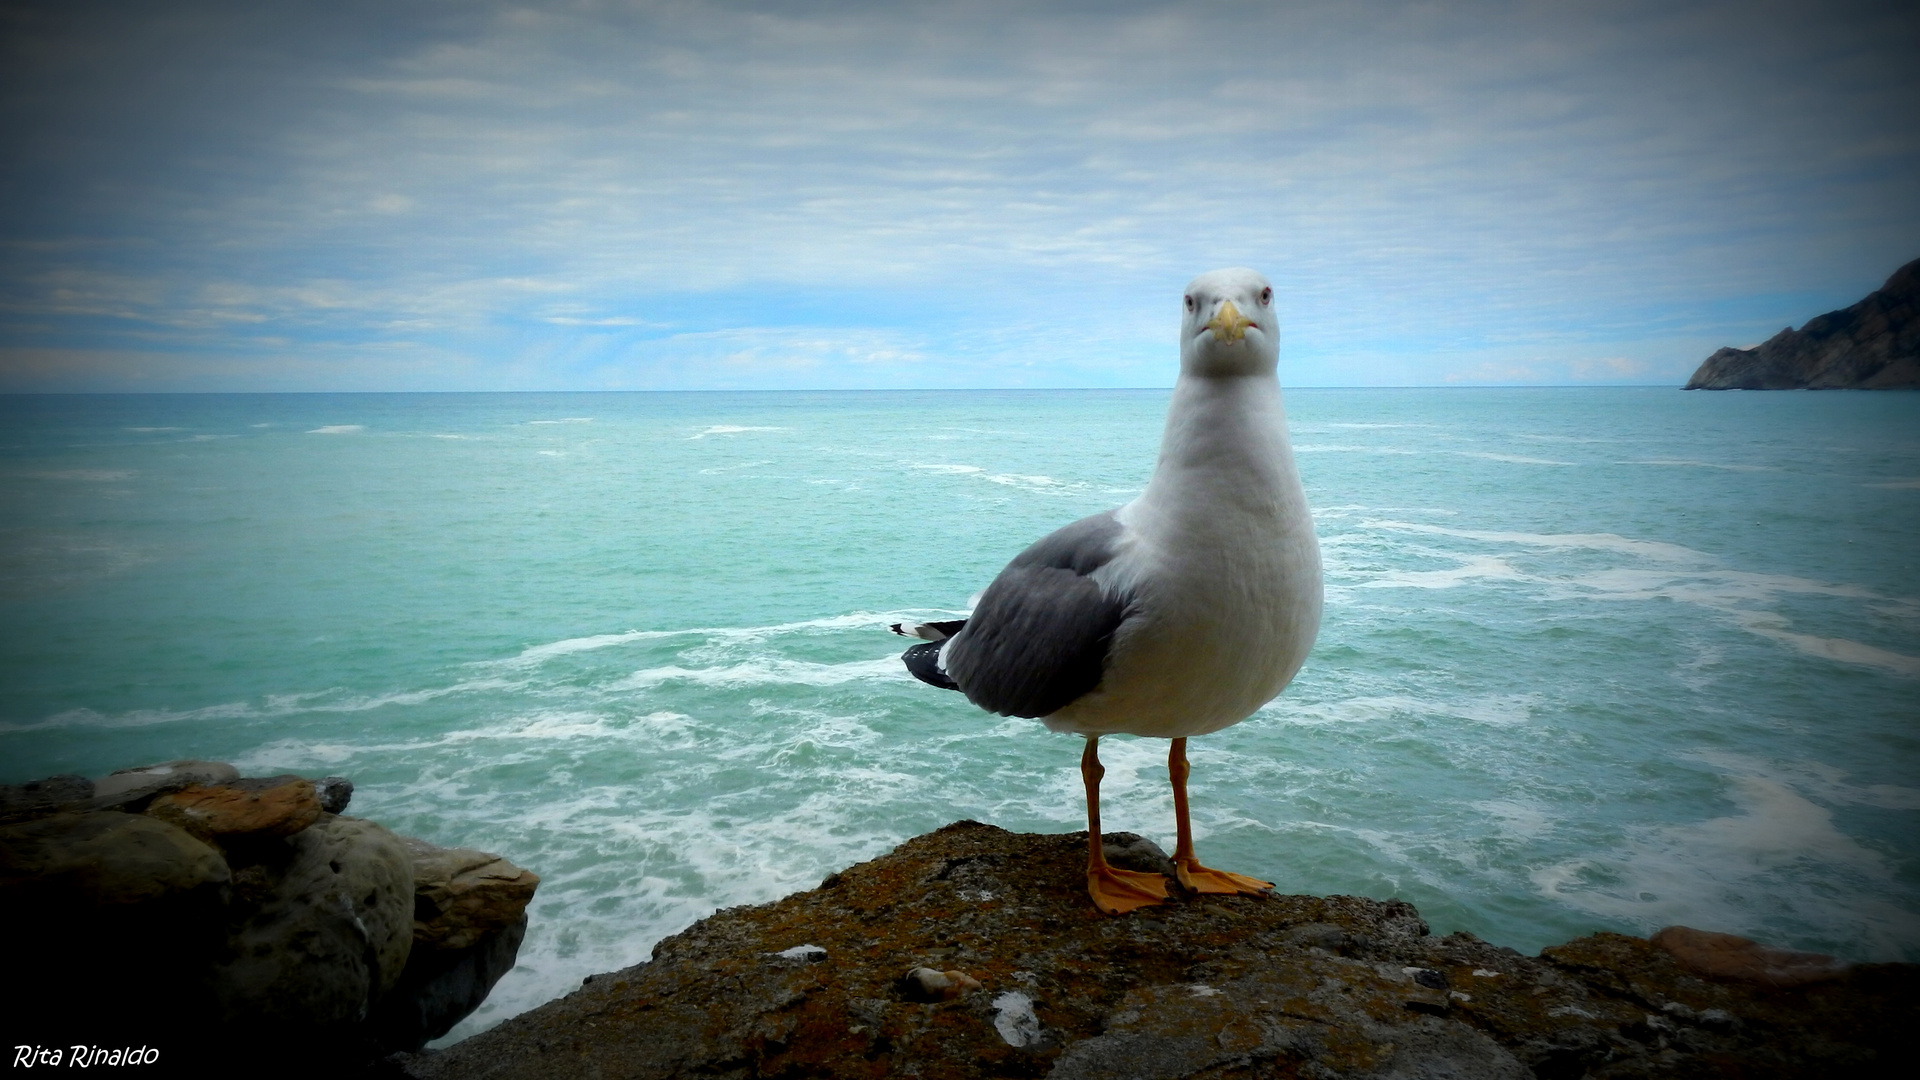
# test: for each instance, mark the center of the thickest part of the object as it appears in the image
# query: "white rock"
(1014, 1019)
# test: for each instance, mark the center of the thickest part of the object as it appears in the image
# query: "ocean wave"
(534, 654)
(337, 429)
(565, 420)
(274, 706)
(1503, 710)
(1779, 855)
(91, 476)
(1031, 482)
(1653, 549)
(1689, 463)
(1318, 448)
(774, 671)
(1742, 598)
(731, 429)
(1512, 459)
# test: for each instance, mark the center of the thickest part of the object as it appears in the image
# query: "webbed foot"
(1197, 878)
(1117, 892)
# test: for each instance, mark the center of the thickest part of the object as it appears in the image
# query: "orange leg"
(1195, 877)
(1115, 892)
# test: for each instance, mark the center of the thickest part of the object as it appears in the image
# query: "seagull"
(1175, 615)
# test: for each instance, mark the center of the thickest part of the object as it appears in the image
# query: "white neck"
(1225, 446)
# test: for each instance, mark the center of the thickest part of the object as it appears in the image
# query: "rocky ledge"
(184, 907)
(973, 952)
(1873, 345)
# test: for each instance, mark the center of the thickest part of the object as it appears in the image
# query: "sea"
(1592, 659)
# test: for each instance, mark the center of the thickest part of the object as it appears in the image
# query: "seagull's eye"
(1189, 303)
(1266, 297)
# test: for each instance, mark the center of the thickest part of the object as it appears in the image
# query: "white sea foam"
(1511, 459)
(731, 429)
(273, 707)
(565, 420)
(1780, 855)
(1652, 549)
(1019, 480)
(534, 654)
(1321, 448)
(1033, 482)
(90, 476)
(1476, 568)
(1688, 463)
(337, 429)
(1742, 598)
(767, 672)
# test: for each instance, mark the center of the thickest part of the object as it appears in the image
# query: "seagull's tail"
(923, 660)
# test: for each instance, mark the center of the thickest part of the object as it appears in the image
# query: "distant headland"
(1873, 345)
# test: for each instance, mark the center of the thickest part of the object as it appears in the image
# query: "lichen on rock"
(1216, 987)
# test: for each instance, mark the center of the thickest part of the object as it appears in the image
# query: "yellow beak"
(1229, 324)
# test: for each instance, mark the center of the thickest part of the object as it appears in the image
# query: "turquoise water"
(1592, 658)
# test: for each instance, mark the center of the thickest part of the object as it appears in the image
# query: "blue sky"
(411, 195)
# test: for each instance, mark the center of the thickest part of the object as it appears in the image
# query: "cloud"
(1432, 188)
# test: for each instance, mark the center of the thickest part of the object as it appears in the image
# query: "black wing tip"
(945, 629)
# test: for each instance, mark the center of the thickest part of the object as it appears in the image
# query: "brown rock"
(103, 859)
(128, 789)
(461, 895)
(1724, 956)
(278, 806)
(1217, 987)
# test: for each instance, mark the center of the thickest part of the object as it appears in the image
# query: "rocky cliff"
(1873, 345)
(973, 952)
(186, 909)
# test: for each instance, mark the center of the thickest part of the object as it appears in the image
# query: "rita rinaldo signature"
(84, 1057)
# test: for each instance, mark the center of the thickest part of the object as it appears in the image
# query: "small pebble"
(941, 985)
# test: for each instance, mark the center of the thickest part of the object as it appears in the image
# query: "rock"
(461, 895)
(1724, 956)
(1873, 345)
(930, 984)
(335, 793)
(322, 931)
(104, 898)
(442, 987)
(102, 860)
(1220, 987)
(469, 912)
(128, 789)
(276, 806)
(36, 798)
(215, 915)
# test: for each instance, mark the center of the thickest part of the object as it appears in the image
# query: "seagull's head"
(1228, 325)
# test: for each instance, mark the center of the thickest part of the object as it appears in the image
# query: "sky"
(369, 195)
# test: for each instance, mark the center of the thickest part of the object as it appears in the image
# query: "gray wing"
(1039, 637)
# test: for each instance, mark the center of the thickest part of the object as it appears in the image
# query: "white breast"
(1221, 556)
